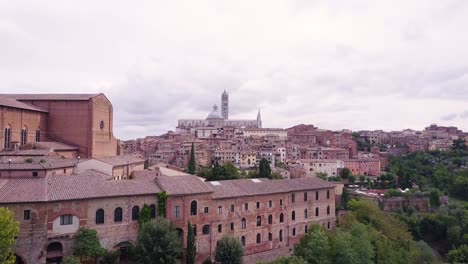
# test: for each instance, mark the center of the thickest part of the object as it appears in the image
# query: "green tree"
(458, 255)
(158, 243)
(191, 168)
(314, 247)
(229, 171)
(276, 176)
(162, 198)
(9, 229)
(229, 251)
(264, 169)
(459, 144)
(434, 198)
(352, 179)
(87, 246)
(287, 260)
(70, 260)
(345, 173)
(145, 215)
(191, 245)
(110, 257)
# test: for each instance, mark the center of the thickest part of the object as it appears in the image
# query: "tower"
(225, 105)
(259, 119)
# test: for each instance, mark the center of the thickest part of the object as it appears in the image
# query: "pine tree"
(192, 165)
(191, 246)
(264, 169)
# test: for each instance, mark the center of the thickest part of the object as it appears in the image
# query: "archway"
(54, 253)
(124, 248)
(19, 260)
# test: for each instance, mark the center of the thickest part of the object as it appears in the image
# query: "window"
(258, 205)
(294, 232)
(270, 204)
(293, 215)
(281, 218)
(118, 214)
(328, 225)
(270, 236)
(220, 228)
(316, 211)
(176, 211)
(100, 216)
(328, 210)
(243, 223)
(293, 198)
(316, 196)
(205, 210)
(232, 208)
(35, 173)
(259, 221)
(206, 229)
(328, 194)
(135, 212)
(66, 220)
(281, 202)
(27, 214)
(306, 229)
(220, 209)
(270, 219)
(194, 230)
(64, 171)
(246, 206)
(305, 197)
(7, 138)
(38, 135)
(259, 238)
(281, 235)
(305, 213)
(243, 240)
(153, 211)
(193, 208)
(24, 136)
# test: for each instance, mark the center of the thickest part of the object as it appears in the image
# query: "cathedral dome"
(214, 114)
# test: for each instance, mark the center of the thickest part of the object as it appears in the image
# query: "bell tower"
(225, 105)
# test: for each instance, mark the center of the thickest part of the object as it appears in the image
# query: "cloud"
(449, 117)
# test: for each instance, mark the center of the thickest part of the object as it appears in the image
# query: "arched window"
(294, 232)
(281, 218)
(153, 211)
(118, 214)
(7, 138)
(316, 211)
(270, 236)
(281, 235)
(293, 215)
(328, 194)
(193, 208)
(306, 229)
(243, 223)
(243, 240)
(259, 238)
(328, 210)
(38, 135)
(100, 216)
(135, 212)
(305, 213)
(259, 221)
(270, 219)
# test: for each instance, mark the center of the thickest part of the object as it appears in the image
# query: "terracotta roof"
(10, 102)
(59, 97)
(185, 184)
(38, 163)
(25, 152)
(90, 184)
(249, 187)
(121, 160)
(53, 145)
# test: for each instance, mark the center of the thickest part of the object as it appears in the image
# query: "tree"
(276, 176)
(352, 179)
(459, 144)
(287, 260)
(458, 255)
(9, 229)
(70, 260)
(191, 168)
(87, 246)
(229, 251)
(314, 247)
(345, 173)
(110, 257)
(158, 242)
(191, 245)
(434, 198)
(264, 169)
(145, 215)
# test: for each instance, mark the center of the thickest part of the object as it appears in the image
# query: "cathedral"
(218, 118)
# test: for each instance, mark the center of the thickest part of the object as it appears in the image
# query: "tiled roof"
(54, 145)
(121, 160)
(69, 97)
(38, 163)
(25, 152)
(249, 187)
(185, 184)
(10, 102)
(90, 184)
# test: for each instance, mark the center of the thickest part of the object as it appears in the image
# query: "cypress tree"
(191, 246)
(191, 165)
(264, 169)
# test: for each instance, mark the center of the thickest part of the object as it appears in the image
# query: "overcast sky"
(335, 64)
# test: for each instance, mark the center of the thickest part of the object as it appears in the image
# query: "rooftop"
(10, 102)
(59, 97)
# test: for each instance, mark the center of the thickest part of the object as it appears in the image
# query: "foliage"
(352, 179)
(158, 242)
(87, 244)
(315, 246)
(264, 169)
(162, 198)
(459, 144)
(322, 175)
(276, 176)
(70, 260)
(9, 229)
(458, 255)
(28, 160)
(145, 215)
(191, 245)
(191, 168)
(110, 257)
(217, 172)
(434, 198)
(345, 173)
(281, 165)
(362, 143)
(229, 251)
(287, 260)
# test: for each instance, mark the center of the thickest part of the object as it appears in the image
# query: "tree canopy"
(192, 166)
(229, 251)
(87, 244)
(264, 169)
(191, 245)
(9, 229)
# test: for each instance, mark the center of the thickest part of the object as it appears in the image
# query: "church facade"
(217, 118)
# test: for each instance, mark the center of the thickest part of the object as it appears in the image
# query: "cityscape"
(265, 132)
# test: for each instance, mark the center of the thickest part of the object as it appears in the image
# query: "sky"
(336, 64)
